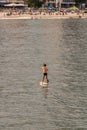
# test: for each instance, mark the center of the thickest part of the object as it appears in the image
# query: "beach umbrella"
(74, 8)
(14, 5)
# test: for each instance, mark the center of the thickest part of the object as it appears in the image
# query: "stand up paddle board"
(43, 83)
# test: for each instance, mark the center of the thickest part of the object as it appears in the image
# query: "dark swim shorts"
(45, 74)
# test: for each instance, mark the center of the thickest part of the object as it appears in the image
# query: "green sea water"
(24, 46)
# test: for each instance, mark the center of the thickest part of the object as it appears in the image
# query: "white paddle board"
(43, 83)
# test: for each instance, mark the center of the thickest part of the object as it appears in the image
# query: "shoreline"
(47, 16)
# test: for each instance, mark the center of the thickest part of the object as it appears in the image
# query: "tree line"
(34, 3)
(38, 3)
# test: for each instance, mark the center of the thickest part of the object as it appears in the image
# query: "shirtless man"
(45, 74)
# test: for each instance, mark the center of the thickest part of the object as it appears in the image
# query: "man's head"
(44, 64)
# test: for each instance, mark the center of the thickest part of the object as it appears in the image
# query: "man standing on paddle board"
(45, 74)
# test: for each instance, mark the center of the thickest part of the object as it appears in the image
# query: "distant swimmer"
(45, 74)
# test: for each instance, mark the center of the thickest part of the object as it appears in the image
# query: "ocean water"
(24, 46)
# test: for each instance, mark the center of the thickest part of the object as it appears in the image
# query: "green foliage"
(80, 1)
(34, 3)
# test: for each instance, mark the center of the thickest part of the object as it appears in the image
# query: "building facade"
(68, 3)
(62, 3)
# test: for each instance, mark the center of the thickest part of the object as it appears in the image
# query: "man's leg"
(43, 78)
(47, 78)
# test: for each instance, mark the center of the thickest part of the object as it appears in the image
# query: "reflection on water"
(45, 91)
(24, 47)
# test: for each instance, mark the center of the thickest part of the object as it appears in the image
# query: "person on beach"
(45, 74)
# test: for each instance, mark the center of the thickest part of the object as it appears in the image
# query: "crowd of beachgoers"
(40, 13)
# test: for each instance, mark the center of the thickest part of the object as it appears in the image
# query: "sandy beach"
(42, 16)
